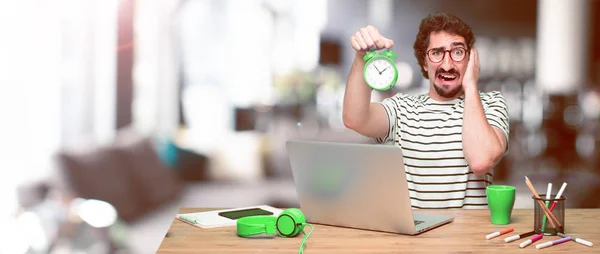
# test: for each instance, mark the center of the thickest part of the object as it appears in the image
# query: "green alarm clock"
(380, 70)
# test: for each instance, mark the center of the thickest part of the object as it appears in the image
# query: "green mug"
(501, 199)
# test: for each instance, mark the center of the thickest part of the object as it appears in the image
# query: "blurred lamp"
(487, 57)
(572, 115)
(97, 213)
(591, 105)
(585, 145)
(561, 51)
(533, 113)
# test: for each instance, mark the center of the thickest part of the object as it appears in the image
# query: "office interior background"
(116, 113)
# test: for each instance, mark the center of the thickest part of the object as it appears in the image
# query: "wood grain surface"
(466, 234)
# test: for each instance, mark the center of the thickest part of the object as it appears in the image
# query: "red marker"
(530, 241)
(492, 235)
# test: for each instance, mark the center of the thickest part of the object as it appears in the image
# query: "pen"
(188, 219)
(517, 237)
(550, 243)
(497, 233)
(578, 240)
(530, 241)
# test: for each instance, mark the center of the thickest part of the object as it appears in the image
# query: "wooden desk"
(465, 235)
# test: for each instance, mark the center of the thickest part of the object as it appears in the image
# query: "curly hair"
(435, 23)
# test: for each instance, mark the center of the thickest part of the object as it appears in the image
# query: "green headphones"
(288, 224)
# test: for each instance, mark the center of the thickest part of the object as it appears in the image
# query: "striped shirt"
(430, 135)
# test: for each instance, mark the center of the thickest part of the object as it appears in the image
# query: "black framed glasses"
(436, 55)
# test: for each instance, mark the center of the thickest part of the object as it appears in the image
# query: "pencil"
(549, 214)
(551, 218)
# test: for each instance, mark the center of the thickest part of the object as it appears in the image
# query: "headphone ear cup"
(255, 225)
(299, 216)
(300, 221)
(290, 222)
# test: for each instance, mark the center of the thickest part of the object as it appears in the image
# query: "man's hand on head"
(469, 82)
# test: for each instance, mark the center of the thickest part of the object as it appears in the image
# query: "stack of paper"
(216, 218)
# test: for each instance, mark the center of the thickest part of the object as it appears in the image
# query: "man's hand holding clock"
(365, 42)
(369, 38)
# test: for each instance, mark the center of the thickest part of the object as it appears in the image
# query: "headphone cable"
(305, 237)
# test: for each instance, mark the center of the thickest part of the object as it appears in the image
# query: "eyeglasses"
(436, 55)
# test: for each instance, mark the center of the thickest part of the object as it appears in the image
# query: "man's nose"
(447, 61)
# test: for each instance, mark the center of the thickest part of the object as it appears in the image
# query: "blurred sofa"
(145, 179)
(128, 174)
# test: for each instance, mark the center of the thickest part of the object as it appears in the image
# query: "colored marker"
(188, 219)
(497, 233)
(517, 237)
(548, 192)
(530, 241)
(550, 243)
(558, 195)
(560, 192)
(577, 240)
(553, 220)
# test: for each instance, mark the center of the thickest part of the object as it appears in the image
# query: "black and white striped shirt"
(430, 135)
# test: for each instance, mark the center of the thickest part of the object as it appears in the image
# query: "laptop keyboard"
(417, 222)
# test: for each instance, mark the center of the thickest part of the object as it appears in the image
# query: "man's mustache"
(451, 71)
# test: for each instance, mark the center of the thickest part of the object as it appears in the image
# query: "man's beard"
(448, 94)
(443, 93)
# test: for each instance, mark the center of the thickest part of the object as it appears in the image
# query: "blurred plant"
(296, 87)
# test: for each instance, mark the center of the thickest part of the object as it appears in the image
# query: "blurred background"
(116, 113)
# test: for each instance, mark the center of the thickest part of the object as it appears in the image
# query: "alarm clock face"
(379, 73)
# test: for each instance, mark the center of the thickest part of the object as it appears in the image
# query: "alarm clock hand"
(377, 69)
(383, 70)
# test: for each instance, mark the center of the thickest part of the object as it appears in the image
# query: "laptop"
(361, 186)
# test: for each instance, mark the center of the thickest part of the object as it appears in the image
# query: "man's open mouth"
(447, 76)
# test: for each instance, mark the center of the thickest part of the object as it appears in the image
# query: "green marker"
(188, 219)
(548, 192)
